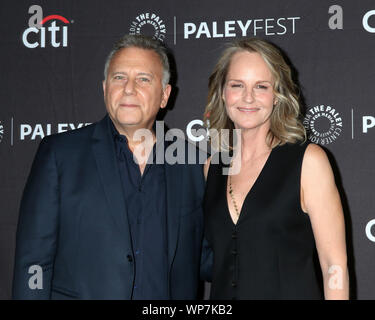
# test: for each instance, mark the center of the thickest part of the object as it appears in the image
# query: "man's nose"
(129, 87)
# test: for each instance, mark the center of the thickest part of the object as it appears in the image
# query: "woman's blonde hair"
(286, 125)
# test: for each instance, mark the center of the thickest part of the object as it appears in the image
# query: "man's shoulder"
(75, 137)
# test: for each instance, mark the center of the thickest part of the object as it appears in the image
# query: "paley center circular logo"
(149, 24)
(1, 131)
(323, 124)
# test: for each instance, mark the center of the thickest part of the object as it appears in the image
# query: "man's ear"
(166, 93)
(103, 86)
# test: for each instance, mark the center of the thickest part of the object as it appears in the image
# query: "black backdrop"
(51, 77)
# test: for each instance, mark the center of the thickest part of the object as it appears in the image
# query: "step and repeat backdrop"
(52, 56)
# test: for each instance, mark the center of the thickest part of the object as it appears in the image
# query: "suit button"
(130, 258)
(234, 251)
(234, 235)
(234, 284)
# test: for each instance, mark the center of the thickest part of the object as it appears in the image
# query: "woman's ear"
(275, 101)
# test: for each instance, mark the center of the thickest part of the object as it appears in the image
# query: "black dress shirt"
(145, 200)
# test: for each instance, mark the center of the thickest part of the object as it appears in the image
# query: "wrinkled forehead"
(133, 58)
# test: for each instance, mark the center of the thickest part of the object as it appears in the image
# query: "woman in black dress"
(267, 219)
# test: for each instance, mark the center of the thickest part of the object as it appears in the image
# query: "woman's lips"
(248, 109)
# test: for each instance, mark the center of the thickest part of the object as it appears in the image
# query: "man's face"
(133, 91)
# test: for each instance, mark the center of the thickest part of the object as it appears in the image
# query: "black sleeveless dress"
(270, 253)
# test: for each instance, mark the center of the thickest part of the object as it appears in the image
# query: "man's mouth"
(128, 105)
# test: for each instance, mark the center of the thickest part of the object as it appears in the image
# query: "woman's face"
(248, 91)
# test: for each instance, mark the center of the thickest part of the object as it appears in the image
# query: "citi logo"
(45, 31)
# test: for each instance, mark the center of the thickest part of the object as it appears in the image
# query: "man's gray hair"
(142, 42)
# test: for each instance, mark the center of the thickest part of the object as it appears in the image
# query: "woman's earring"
(208, 124)
(208, 119)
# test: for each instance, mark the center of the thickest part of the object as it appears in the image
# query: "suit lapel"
(173, 178)
(104, 151)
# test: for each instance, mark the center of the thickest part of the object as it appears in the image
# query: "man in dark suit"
(99, 222)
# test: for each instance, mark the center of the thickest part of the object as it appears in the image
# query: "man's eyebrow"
(117, 72)
(145, 74)
(139, 73)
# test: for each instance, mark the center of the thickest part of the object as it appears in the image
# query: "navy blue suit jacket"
(73, 222)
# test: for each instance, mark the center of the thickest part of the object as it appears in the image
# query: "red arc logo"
(54, 17)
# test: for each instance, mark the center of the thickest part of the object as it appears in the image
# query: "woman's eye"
(236, 85)
(261, 86)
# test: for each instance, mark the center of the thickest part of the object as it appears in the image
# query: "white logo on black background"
(365, 21)
(323, 124)
(30, 132)
(336, 21)
(237, 28)
(40, 35)
(149, 24)
(368, 122)
(370, 235)
(1, 132)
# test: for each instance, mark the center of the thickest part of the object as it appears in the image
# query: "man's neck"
(137, 135)
(140, 142)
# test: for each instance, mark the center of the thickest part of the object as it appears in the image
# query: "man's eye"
(143, 79)
(118, 77)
